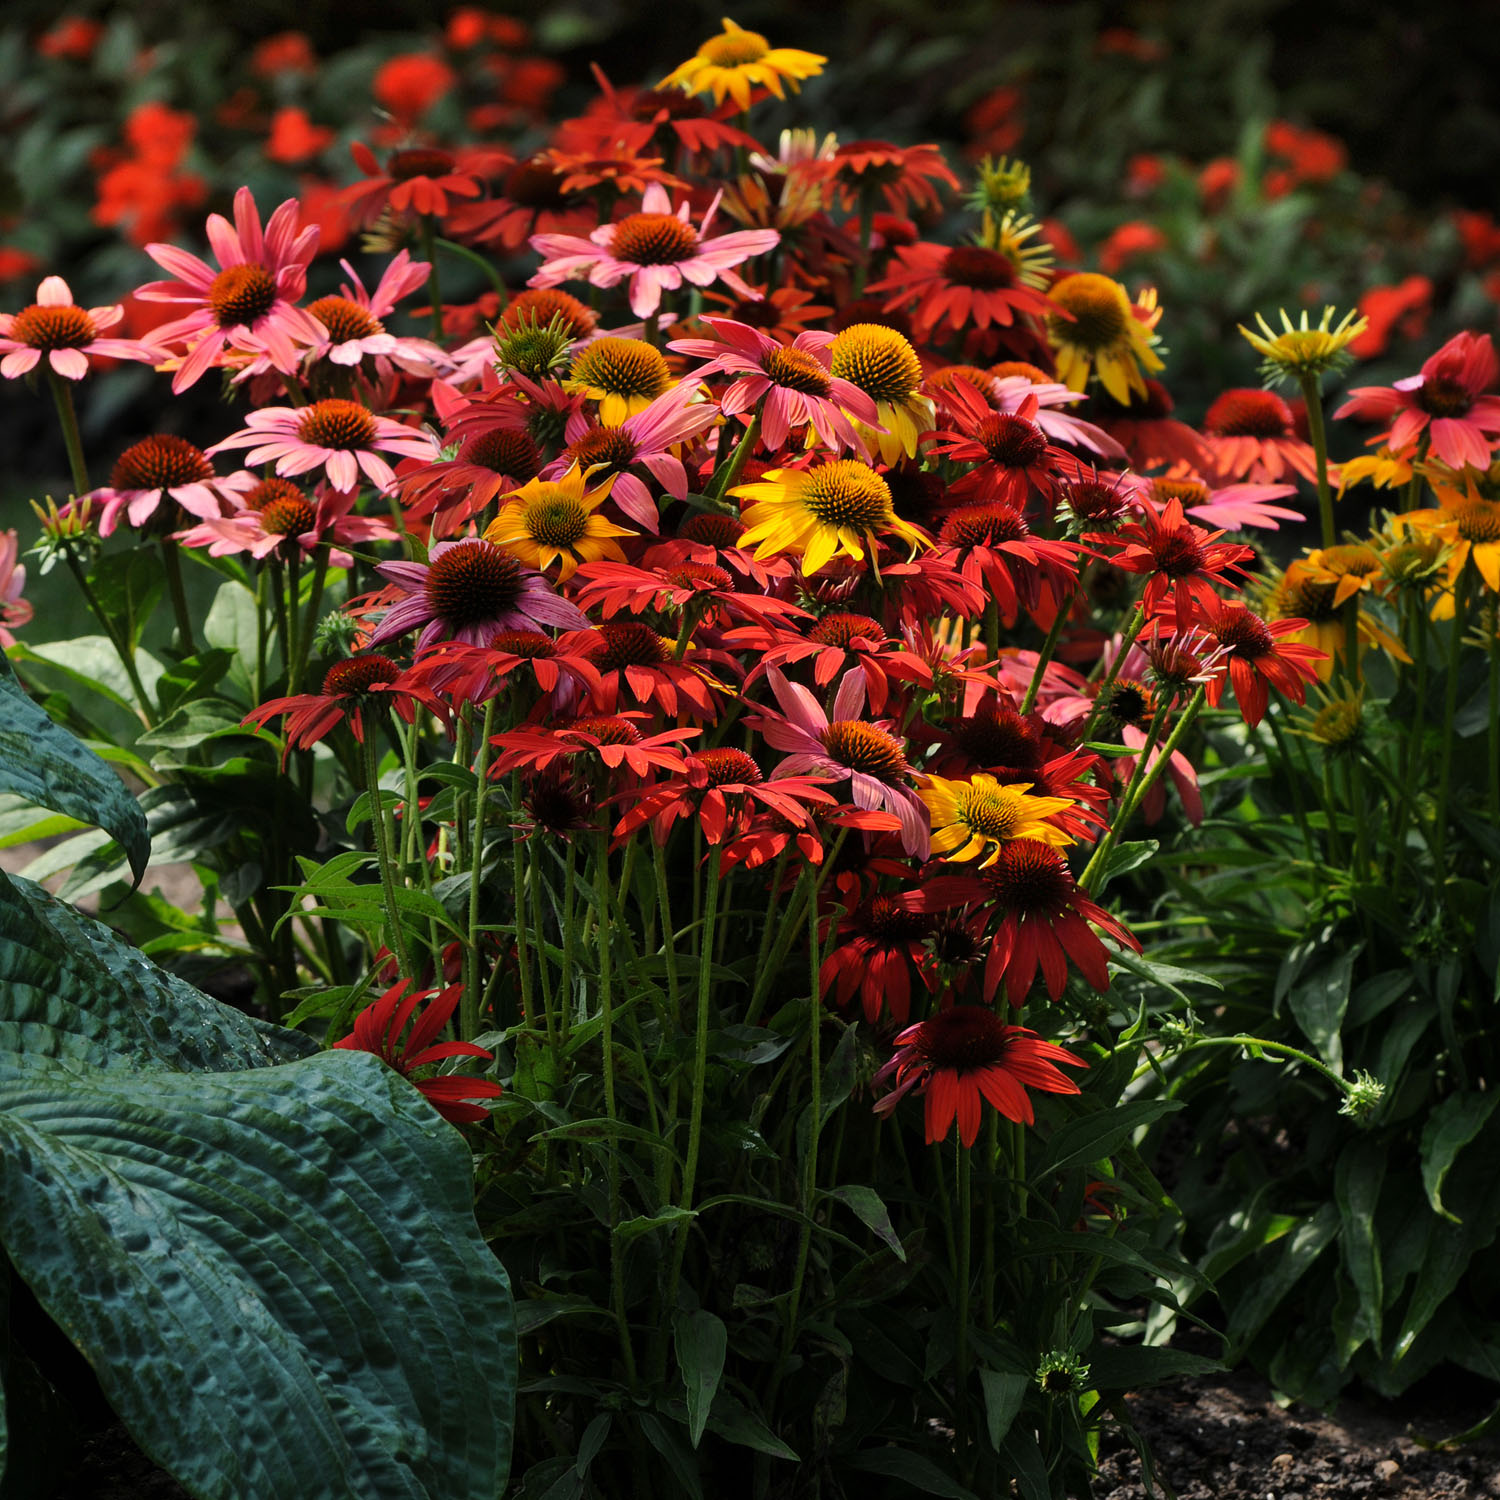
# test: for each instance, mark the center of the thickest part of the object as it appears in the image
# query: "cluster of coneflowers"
(745, 529)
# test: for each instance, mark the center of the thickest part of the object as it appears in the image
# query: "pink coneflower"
(289, 521)
(66, 335)
(14, 610)
(1447, 400)
(249, 302)
(341, 436)
(656, 249)
(1251, 434)
(646, 439)
(1231, 506)
(845, 747)
(164, 469)
(794, 387)
(470, 590)
(353, 320)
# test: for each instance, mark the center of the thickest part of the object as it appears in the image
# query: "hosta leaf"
(43, 763)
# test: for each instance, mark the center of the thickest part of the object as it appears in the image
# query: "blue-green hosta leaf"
(42, 762)
(275, 1273)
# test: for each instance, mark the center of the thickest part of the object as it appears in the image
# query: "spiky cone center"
(627, 643)
(797, 370)
(1302, 597)
(1029, 876)
(160, 463)
(418, 161)
(847, 493)
(974, 266)
(341, 426)
(653, 240)
(1185, 491)
(554, 518)
(290, 516)
(48, 328)
(268, 492)
(1176, 553)
(1010, 367)
(1245, 635)
(540, 305)
(884, 917)
(530, 645)
(608, 729)
(1352, 558)
(240, 295)
(984, 526)
(1129, 701)
(733, 49)
(1249, 413)
(1338, 723)
(962, 1038)
(1012, 442)
(727, 766)
(997, 737)
(991, 811)
(358, 675)
(622, 367)
(842, 629)
(1174, 668)
(472, 582)
(710, 529)
(1101, 315)
(510, 451)
(612, 447)
(558, 803)
(880, 361)
(1093, 501)
(1443, 396)
(1477, 520)
(345, 320)
(693, 574)
(1415, 560)
(865, 748)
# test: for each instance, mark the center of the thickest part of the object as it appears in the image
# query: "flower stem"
(381, 836)
(1101, 697)
(434, 281)
(173, 565)
(1450, 707)
(963, 1275)
(122, 646)
(470, 1013)
(462, 252)
(1312, 396)
(62, 394)
(1044, 656)
(1260, 1044)
(725, 479)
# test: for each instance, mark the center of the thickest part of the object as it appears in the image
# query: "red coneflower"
(964, 1056)
(1259, 657)
(351, 688)
(881, 945)
(958, 287)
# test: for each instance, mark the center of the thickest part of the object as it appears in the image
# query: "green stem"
(866, 226)
(1044, 657)
(1312, 396)
(1450, 707)
(722, 482)
(668, 927)
(462, 252)
(62, 394)
(120, 643)
(1259, 1044)
(963, 1275)
(173, 565)
(1101, 697)
(1494, 737)
(809, 888)
(469, 1014)
(382, 839)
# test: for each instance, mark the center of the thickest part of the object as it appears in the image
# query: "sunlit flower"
(964, 1057)
(290, 523)
(655, 249)
(623, 375)
(352, 689)
(463, 673)
(454, 489)
(53, 330)
(1384, 469)
(353, 319)
(611, 739)
(163, 469)
(468, 590)
(1447, 401)
(972, 819)
(556, 521)
(249, 303)
(378, 1029)
(904, 176)
(1231, 506)
(1470, 525)
(881, 946)
(793, 387)
(415, 179)
(1009, 453)
(1103, 332)
(839, 507)
(993, 545)
(733, 63)
(1301, 349)
(883, 364)
(958, 287)
(635, 662)
(341, 437)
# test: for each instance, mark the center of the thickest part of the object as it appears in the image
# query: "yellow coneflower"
(837, 507)
(736, 60)
(1302, 350)
(883, 364)
(1385, 470)
(1351, 567)
(1104, 332)
(623, 375)
(972, 819)
(1470, 525)
(555, 521)
(1304, 594)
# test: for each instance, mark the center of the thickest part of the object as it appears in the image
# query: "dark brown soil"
(1224, 1438)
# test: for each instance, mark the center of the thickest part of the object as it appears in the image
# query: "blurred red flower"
(286, 52)
(294, 138)
(73, 36)
(1400, 311)
(410, 85)
(1128, 240)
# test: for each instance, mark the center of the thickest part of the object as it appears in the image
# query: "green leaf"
(1319, 1002)
(1449, 1128)
(870, 1209)
(90, 662)
(1357, 1179)
(197, 721)
(701, 1342)
(1098, 1135)
(591, 1442)
(269, 1258)
(736, 1423)
(1022, 1456)
(1124, 858)
(911, 1468)
(1004, 1391)
(678, 1459)
(1303, 1246)
(48, 767)
(1133, 1367)
(663, 1218)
